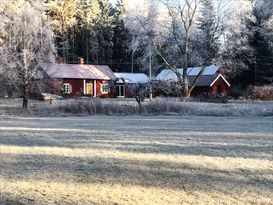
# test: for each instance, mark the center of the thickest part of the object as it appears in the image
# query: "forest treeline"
(133, 36)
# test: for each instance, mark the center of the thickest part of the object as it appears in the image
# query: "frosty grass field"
(136, 160)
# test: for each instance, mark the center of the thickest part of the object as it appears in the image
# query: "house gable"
(220, 76)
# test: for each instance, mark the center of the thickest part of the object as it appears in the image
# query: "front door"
(89, 88)
(219, 89)
(120, 91)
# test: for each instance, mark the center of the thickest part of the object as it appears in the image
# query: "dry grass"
(140, 160)
(126, 107)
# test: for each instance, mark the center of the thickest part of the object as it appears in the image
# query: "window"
(104, 88)
(67, 88)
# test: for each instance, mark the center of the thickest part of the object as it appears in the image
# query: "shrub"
(260, 92)
(236, 94)
(165, 106)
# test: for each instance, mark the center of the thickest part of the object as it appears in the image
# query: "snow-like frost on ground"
(136, 160)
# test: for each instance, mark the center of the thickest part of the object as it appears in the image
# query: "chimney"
(81, 61)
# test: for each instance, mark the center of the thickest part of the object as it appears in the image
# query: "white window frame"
(103, 89)
(67, 88)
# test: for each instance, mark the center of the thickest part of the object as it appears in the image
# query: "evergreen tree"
(102, 34)
(236, 54)
(261, 69)
(121, 42)
(210, 32)
(63, 17)
(88, 10)
(248, 54)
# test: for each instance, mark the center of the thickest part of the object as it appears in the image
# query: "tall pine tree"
(121, 41)
(261, 69)
(63, 17)
(209, 32)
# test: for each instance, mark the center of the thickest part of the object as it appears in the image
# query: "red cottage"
(80, 79)
(210, 81)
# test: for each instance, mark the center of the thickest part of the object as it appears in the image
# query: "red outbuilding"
(210, 81)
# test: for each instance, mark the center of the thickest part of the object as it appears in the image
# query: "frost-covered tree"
(210, 31)
(149, 28)
(236, 53)
(134, 15)
(259, 40)
(2, 36)
(28, 41)
(180, 38)
(192, 37)
(269, 31)
(247, 52)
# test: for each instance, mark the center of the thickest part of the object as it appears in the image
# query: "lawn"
(136, 160)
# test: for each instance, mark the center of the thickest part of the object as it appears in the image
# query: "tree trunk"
(132, 61)
(139, 108)
(150, 75)
(25, 102)
(195, 81)
(186, 86)
(25, 97)
(138, 99)
(25, 85)
(185, 69)
(180, 83)
(10, 92)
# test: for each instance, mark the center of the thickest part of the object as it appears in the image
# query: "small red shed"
(80, 79)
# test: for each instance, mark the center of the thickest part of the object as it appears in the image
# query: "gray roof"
(168, 74)
(204, 80)
(207, 78)
(78, 71)
(132, 77)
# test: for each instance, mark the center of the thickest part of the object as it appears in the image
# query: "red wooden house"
(210, 81)
(80, 79)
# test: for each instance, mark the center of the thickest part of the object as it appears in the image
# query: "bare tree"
(140, 91)
(183, 18)
(28, 41)
(134, 13)
(183, 40)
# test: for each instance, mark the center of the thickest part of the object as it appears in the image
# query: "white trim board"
(95, 88)
(220, 75)
(84, 87)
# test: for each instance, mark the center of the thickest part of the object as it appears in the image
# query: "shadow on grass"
(131, 172)
(254, 147)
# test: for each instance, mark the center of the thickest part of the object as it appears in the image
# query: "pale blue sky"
(113, 1)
